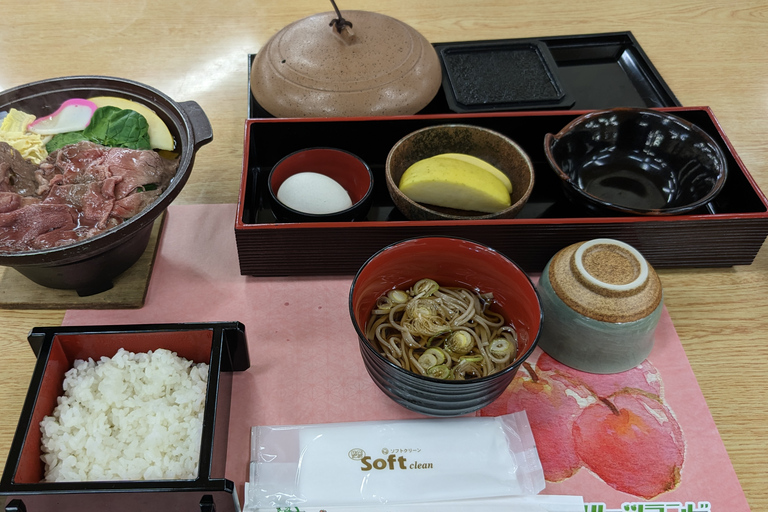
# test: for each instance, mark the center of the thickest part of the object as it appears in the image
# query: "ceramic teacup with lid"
(601, 303)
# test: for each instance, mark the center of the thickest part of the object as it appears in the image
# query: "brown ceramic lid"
(379, 66)
(606, 280)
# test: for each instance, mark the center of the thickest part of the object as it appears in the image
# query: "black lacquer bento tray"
(592, 71)
(728, 231)
(221, 345)
(596, 71)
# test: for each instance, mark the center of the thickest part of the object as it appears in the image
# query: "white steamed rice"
(129, 417)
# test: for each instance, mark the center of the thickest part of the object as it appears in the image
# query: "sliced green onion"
(425, 287)
(432, 357)
(398, 296)
(459, 343)
(440, 371)
(421, 308)
(146, 187)
(437, 339)
(502, 348)
(384, 303)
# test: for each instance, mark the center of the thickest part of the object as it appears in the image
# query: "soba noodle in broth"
(442, 332)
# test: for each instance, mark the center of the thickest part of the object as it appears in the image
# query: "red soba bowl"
(450, 262)
(90, 265)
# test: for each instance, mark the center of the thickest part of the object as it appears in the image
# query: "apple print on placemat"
(616, 426)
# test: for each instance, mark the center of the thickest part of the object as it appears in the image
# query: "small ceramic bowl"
(636, 161)
(602, 302)
(346, 169)
(493, 147)
(450, 262)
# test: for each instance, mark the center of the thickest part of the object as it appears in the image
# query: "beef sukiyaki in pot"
(87, 164)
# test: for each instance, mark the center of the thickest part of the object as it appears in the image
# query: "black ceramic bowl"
(450, 262)
(636, 161)
(221, 345)
(346, 169)
(90, 265)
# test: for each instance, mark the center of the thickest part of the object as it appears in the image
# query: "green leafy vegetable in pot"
(64, 139)
(109, 126)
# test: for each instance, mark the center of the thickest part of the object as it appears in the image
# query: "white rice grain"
(135, 416)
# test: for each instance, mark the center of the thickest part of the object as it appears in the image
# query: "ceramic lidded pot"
(601, 303)
(365, 64)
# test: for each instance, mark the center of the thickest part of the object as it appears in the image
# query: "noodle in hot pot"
(442, 332)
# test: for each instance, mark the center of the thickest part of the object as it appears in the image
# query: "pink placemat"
(641, 440)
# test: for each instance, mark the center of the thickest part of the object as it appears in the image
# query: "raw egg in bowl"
(320, 184)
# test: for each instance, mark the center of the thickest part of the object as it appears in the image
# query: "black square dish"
(501, 75)
(220, 345)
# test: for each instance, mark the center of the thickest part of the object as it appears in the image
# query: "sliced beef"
(81, 162)
(139, 169)
(16, 174)
(132, 204)
(9, 201)
(38, 226)
(74, 164)
(100, 186)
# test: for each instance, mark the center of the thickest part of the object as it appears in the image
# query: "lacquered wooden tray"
(730, 231)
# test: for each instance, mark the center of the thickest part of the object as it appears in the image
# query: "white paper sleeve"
(391, 462)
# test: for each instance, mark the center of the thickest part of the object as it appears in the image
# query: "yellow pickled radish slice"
(482, 164)
(454, 183)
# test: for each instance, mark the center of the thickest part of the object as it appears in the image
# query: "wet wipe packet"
(392, 462)
(539, 503)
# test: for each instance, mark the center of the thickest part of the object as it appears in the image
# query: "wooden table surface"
(709, 53)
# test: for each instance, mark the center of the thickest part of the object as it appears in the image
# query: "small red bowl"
(450, 262)
(348, 170)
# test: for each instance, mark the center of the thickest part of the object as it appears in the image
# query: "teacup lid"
(371, 64)
(606, 280)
